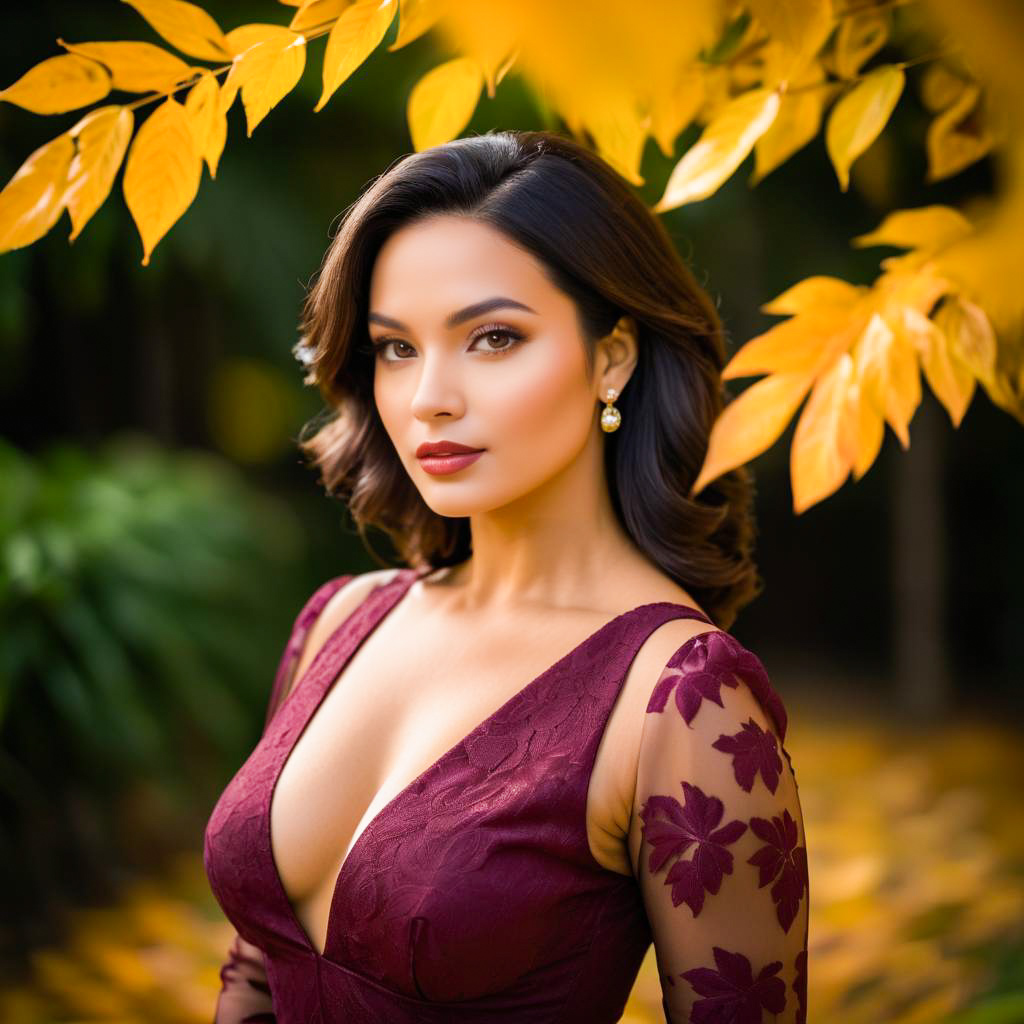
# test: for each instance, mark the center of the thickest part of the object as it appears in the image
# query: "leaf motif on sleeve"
(702, 665)
(731, 993)
(754, 750)
(800, 986)
(783, 861)
(680, 828)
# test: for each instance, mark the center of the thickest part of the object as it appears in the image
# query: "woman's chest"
(387, 730)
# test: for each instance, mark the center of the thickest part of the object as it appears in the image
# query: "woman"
(488, 781)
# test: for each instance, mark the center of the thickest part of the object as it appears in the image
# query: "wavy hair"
(604, 248)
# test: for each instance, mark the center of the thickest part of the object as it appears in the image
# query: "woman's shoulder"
(689, 663)
(349, 591)
(332, 603)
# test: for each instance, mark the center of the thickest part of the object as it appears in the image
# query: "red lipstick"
(442, 457)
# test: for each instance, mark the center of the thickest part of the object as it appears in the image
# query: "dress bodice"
(473, 894)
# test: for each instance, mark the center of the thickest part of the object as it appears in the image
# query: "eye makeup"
(515, 337)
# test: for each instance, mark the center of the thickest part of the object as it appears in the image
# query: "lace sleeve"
(722, 862)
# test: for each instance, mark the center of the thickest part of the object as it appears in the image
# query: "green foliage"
(139, 595)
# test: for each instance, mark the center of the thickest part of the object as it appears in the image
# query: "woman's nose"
(437, 389)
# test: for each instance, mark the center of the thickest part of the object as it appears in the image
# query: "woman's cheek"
(543, 419)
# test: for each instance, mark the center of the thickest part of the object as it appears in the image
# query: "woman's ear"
(617, 354)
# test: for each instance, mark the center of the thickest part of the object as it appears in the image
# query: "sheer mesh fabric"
(722, 856)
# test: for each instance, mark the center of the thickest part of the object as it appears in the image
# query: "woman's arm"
(717, 840)
(244, 996)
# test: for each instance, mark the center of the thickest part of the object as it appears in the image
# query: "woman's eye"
(381, 346)
(511, 337)
(498, 339)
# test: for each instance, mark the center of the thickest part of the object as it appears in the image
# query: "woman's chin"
(455, 502)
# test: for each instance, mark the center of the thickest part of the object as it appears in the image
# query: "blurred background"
(158, 533)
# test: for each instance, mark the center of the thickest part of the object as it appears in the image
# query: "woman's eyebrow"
(454, 319)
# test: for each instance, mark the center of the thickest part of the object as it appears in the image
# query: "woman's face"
(474, 345)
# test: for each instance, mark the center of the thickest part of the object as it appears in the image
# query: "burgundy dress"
(473, 894)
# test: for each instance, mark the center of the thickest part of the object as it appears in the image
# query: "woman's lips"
(441, 465)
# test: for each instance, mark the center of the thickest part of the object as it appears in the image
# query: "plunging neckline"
(376, 819)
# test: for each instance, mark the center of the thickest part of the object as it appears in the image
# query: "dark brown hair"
(599, 244)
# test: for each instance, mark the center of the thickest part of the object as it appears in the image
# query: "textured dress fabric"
(473, 896)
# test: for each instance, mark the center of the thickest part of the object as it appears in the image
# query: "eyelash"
(377, 347)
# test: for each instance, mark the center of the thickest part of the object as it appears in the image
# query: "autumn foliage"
(755, 76)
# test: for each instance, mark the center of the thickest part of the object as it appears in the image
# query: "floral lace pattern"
(722, 836)
(495, 831)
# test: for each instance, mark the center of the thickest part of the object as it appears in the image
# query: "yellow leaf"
(859, 38)
(903, 395)
(415, 17)
(751, 423)
(490, 33)
(266, 72)
(32, 200)
(442, 102)
(887, 374)
(102, 138)
(814, 292)
(673, 109)
(858, 118)
(871, 361)
(919, 287)
(799, 26)
(970, 335)
(241, 38)
(313, 14)
(215, 142)
(950, 379)
(619, 133)
(185, 26)
(722, 147)
(161, 175)
(59, 84)
(135, 67)
(244, 38)
(925, 227)
(868, 428)
(355, 35)
(798, 121)
(802, 344)
(208, 122)
(955, 139)
(822, 454)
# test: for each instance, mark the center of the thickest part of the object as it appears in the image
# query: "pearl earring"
(610, 416)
